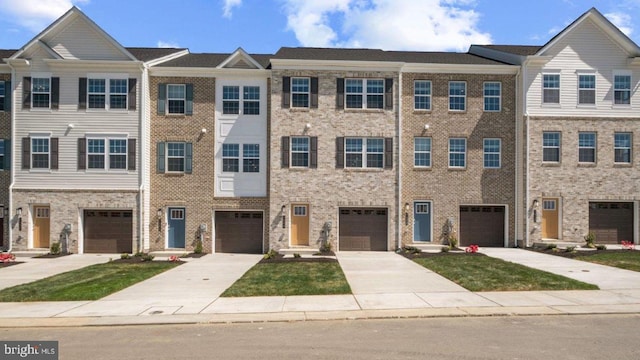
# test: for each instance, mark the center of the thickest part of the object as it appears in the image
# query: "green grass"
(629, 260)
(89, 283)
(290, 278)
(483, 273)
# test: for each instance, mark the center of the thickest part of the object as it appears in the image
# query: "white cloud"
(35, 15)
(386, 24)
(228, 6)
(167, 44)
(622, 20)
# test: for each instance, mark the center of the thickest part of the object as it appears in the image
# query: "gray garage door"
(611, 222)
(363, 229)
(239, 232)
(108, 231)
(482, 226)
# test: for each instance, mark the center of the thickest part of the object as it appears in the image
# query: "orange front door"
(550, 218)
(300, 225)
(41, 227)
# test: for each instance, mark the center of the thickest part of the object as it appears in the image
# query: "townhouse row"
(114, 149)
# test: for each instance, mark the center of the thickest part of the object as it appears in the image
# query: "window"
(587, 147)
(95, 153)
(39, 153)
(364, 93)
(300, 92)
(622, 148)
(549, 205)
(251, 100)
(492, 150)
(422, 95)
(96, 93)
(457, 96)
(176, 98)
(230, 157)
(492, 96)
(40, 92)
(2, 150)
(118, 154)
(551, 88)
(2, 95)
(299, 151)
(457, 152)
(230, 99)
(118, 89)
(622, 89)
(364, 153)
(300, 210)
(586, 89)
(175, 156)
(251, 158)
(551, 146)
(422, 152)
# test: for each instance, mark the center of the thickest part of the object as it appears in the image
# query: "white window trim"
(107, 77)
(551, 104)
(243, 101)
(308, 93)
(308, 152)
(2, 157)
(559, 147)
(628, 73)
(429, 96)
(364, 153)
(245, 157)
(4, 86)
(183, 157)
(430, 152)
(40, 76)
(484, 96)
(450, 152)
(364, 94)
(31, 152)
(105, 167)
(594, 147)
(484, 152)
(595, 89)
(630, 148)
(239, 158)
(457, 96)
(183, 99)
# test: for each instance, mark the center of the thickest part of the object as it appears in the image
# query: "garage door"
(363, 229)
(108, 231)
(611, 222)
(239, 232)
(482, 225)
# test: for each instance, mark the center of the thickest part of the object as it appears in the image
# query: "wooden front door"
(41, 226)
(550, 218)
(300, 225)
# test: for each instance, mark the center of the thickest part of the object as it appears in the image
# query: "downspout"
(517, 172)
(141, 158)
(399, 187)
(13, 137)
(526, 154)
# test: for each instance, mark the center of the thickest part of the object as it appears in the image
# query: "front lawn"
(89, 283)
(286, 278)
(477, 272)
(624, 259)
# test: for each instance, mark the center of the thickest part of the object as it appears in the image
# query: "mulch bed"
(10, 263)
(281, 259)
(138, 260)
(193, 255)
(51, 256)
(424, 254)
(576, 253)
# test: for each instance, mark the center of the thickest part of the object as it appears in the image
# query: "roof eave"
(281, 64)
(497, 69)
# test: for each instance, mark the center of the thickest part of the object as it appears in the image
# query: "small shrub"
(125, 256)
(445, 249)
(198, 248)
(453, 241)
(555, 249)
(552, 246)
(55, 248)
(590, 238)
(147, 257)
(296, 255)
(570, 249)
(270, 255)
(325, 247)
(412, 250)
(138, 254)
(601, 247)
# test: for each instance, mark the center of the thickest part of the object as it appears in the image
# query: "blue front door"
(176, 219)
(422, 221)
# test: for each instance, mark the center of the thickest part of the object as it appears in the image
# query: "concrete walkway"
(384, 284)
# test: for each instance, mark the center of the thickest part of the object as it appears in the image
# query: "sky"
(263, 26)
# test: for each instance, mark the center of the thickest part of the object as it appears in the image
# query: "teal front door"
(422, 221)
(176, 221)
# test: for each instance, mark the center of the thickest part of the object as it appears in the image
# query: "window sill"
(418, 168)
(457, 169)
(586, 106)
(422, 111)
(457, 111)
(175, 115)
(493, 111)
(374, 111)
(587, 165)
(551, 164)
(363, 169)
(174, 174)
(622, 165)
(298, 168)
(621, 106)
(550, 105)
(299, 109)
(40, 171)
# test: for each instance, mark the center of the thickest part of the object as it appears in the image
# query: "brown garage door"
(239, 232)
(363, 229)
(611, 222)
(108, 231)
(482, 226)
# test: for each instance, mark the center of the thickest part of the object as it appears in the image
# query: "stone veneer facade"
(448, 188)
(326, 188)
(576, 184)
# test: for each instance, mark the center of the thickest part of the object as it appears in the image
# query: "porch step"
(559, 244)
(303, 251)
(168, 253)
(30, 253)
(427, 247)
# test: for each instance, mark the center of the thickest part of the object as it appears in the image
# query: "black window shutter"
(55, 93)
(162, 96)
(314, 93)
(340, 93)
(54, 153)
(133, 99)
(339, 153)
(82, 93)
(388, 94)
(160, 157)
(131, 145)
(26, 153)
(7, 154)
(313, 153)
(188, 108)
(188, 158)
(26, 93)
(286, 92)
(388, 153)
(82, 153)
(7, 95)
(285, 152)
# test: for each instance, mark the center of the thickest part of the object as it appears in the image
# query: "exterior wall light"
(284, 217)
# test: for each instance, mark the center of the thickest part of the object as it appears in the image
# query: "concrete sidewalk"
(385, 285)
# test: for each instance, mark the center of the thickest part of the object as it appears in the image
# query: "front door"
(41, 227)
(550, 218)
(300, 225)
(176, 231)
(422, 221)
